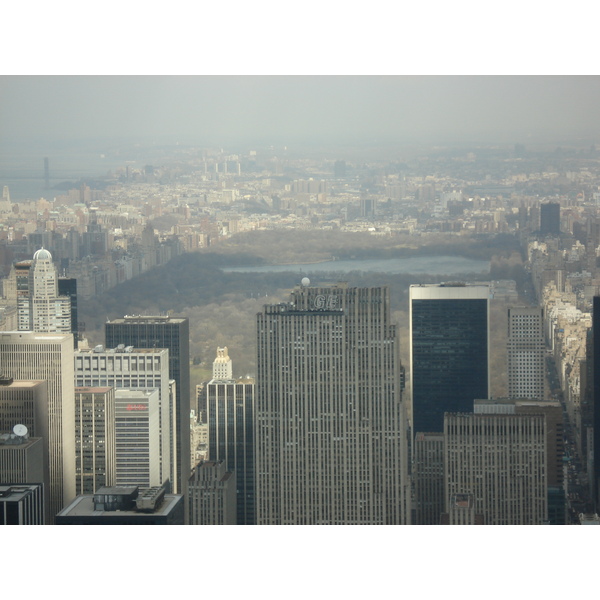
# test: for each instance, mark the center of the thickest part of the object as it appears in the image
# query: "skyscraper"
(553, 414)
(595, 437)
(26, 403)
(550, 218)
(41, 309)
(428, 478)
(21, 459)
(67, 286)
(94, 438)
(145, 370)
(137, 438)
(526, 353)
(449, 350)
(501, 460)
(230, 412)
(174, 334)
(212, 494)
(6, 195)
(22, 504)
(330, 431)
(49, 357)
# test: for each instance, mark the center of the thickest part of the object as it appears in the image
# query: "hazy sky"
(287, 109)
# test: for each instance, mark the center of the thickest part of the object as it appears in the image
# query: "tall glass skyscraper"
(449, 351)
(330, 427)
(230, 407)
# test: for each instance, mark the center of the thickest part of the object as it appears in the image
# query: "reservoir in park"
(426, 265)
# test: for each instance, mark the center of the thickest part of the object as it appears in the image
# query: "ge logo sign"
(329, 302)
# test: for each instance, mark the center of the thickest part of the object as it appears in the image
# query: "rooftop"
(149, 319)
(42, 254)
(14, 491)
(120, 350)
(22, 383)
(84, 506)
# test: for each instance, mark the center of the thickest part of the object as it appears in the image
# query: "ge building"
(330, 439)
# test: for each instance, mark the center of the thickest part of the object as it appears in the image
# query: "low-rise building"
(124, 506)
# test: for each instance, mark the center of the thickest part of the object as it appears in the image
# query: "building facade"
(231, 437)
(428, 478)
(500, 459)
(550, 218)
(141, 369)
(330, 428)
(22, 504)
(24, 402)
(94, 438)
(594, 437)
(174, 334)
(137, 439)
(553, 415)
(526, 353)
(49, 357)
(67, 286)
(461, 511)
(449, 351)
(40, 307)
(212, 495)
(21, 459)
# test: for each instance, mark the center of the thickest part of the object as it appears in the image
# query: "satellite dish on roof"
(20, 430)
(305, 281)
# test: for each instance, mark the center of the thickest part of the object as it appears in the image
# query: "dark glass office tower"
(550, 218)
(230, 409)
(448, 351)
(173, 334)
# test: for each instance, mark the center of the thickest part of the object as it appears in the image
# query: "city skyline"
(234, 38)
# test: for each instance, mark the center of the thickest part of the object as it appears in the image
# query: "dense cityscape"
(476, 408)
(298, 299)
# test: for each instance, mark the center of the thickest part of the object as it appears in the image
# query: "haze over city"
(177, 202)
(287, 110)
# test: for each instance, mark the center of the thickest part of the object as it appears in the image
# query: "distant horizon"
(72, 160)
(95, 143)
